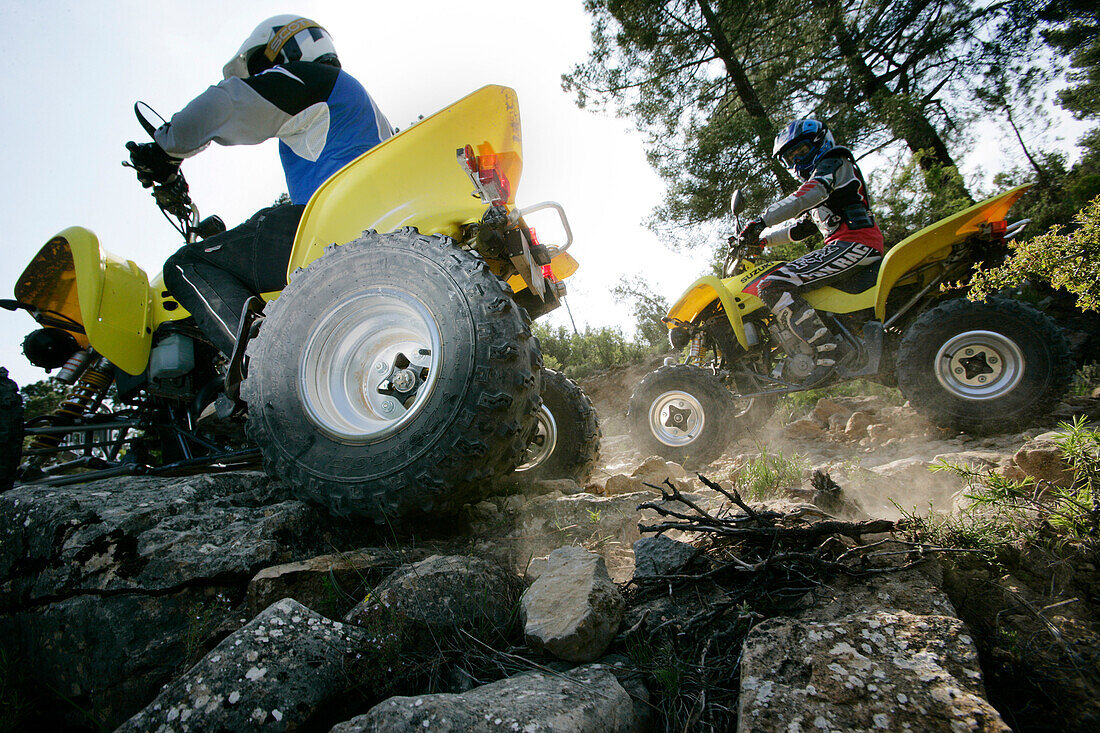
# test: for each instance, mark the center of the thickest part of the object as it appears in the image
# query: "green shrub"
(580, 354)
(1066, 258)
(765, 476)
(1038, 510)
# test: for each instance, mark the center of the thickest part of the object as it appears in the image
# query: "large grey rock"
(573, 610)
(108, 589)
(142, 534)
(660, 556)
(583, 700)
(863, 672)
(442, 595)
(274, 672)
(917, 591)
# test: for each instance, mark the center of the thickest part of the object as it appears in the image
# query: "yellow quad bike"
(395, 374)
(979, 367)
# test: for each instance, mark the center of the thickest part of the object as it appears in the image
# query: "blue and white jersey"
(322, 116)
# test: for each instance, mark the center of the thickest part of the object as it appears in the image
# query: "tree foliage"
(1067, 259)
(581, 354)
(711, 81)
(42, 397)
(1074, 29)
(647, 307)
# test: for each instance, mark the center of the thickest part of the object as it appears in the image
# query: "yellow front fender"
(735, 302)
(109, 296)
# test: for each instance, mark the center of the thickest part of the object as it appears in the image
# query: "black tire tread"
(919, 385)
(499, 405)
(579, 434)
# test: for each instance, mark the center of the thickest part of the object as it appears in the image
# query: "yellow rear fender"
(109, 296)
(414, 178)
(934, 242)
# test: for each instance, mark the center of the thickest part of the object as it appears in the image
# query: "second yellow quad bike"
(979, 367)
(395, 374)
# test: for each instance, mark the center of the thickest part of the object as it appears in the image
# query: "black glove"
(152, 164)
(750, 235)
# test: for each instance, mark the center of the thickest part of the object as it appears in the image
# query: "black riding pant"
(782, 292)
(823, 266)
(213, 278)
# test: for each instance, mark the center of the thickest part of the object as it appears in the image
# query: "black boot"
(799, 318)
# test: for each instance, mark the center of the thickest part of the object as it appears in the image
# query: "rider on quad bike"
(834, 202)
(284, 82)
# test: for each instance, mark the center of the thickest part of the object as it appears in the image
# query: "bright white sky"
(76, 68)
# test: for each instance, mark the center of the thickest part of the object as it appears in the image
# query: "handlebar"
(173, 197)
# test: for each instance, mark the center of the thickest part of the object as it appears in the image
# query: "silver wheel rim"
(979, 365)
(353, 384)
(676, 418)
(543, 444)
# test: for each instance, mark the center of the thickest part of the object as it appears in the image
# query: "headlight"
(679, 337)
(49, 348)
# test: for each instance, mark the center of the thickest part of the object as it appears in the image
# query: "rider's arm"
(248, 111)
(809, 195)
(796, 232)
(229, 113)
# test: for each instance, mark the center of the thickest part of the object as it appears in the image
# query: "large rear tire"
(566, 443)
(11, 430)
(982, 368)
(681, 413)
(394, 376)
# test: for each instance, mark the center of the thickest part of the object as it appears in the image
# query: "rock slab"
(885, 671)
(274, 672)
(573, 610)
(109, 589)
(583, 700)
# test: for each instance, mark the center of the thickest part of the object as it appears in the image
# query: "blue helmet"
(801, 144)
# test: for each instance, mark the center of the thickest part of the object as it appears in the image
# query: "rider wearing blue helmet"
(832, 202)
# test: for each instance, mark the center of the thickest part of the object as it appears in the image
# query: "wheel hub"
(676, 418)
(979, 365)
(369, 365)
(544, 442)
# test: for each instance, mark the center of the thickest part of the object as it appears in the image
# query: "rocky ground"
(222, 603)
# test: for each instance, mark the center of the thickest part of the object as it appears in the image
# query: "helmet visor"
(797, 155)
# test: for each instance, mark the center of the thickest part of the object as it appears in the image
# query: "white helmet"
(279, 40)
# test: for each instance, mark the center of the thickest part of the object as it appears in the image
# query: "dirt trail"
(876, 447)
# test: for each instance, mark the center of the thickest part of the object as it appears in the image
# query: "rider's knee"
(174, 269)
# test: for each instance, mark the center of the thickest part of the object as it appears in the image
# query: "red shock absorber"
(85, 396)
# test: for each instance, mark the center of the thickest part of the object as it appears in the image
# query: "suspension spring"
(695, 349)
(84, 397)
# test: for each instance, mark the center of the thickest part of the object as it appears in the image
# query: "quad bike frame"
(923, 257)
(454, 173)
(409, 179)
